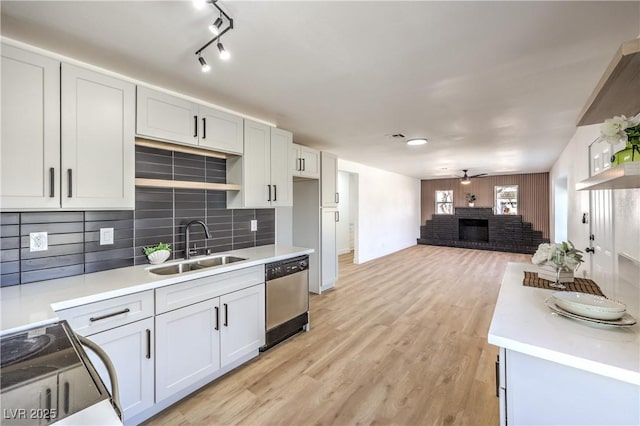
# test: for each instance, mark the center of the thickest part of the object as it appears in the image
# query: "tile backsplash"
(160, 215)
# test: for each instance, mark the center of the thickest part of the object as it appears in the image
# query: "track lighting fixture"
(203, 64)
(215, 27)
(224, 54)
(222, 25)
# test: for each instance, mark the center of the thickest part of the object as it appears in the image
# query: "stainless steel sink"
(194, 265)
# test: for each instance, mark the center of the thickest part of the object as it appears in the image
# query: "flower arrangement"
(621, 129)
(470, 196)
(563, 255)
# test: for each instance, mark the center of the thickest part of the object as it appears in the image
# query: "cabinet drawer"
(104, 315)
(179, 295)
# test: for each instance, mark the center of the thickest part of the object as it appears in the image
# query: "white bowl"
(589, 305)
(158, 257)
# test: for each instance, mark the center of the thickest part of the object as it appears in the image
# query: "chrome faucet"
(187, 253)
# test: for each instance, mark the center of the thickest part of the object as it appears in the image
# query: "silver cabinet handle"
(226, 315)
(304, 164)
(337, 197)
(337, 216)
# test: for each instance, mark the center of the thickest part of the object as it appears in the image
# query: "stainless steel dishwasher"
(287, 299)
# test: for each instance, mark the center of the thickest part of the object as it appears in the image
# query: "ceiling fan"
(466, 179)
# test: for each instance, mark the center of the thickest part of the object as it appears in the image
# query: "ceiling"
(496, 87)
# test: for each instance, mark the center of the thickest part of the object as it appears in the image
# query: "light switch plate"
(254, 225)
(38, 241)
(106, 236)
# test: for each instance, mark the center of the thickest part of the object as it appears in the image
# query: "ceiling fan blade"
(478, 175)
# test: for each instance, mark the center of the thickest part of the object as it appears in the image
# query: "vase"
(627, 155)
(158, 257)
(472, 204)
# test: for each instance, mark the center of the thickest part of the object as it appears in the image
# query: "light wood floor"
(402, 340)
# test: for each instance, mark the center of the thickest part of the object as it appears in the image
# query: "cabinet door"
(165, 117)
(281, 178)
(243, 323)
(187, 346)
(329, 179)
(295, 163)
(98, 158)
(256, 165)
(328, 247)
(30, 148)
(130, 348)
(221, 131)
(310, 162)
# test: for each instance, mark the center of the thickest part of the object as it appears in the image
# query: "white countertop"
(35, 303)
(523, 323)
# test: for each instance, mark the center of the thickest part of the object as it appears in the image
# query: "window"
(444, 202)
(507, 199)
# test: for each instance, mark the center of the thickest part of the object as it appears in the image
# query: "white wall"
(388, 217)
(574, 163)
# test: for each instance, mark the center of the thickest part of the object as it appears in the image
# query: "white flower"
(571, 262)
(543, 254)
(613, 129)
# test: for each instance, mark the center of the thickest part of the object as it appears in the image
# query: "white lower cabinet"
(188, 346)
(130, 348)
(197, 340)
(534, 391)
(243, 326)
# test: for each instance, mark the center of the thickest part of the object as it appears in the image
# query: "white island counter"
(557, 370)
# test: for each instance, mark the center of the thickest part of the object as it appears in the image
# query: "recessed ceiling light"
(416, 141)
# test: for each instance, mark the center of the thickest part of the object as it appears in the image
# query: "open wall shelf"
(624, 176)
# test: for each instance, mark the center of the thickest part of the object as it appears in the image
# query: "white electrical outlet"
(106, 236)
(38, 241)
(254, 225)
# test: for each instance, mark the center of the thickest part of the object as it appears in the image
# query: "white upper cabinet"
(166, 117)
(263, 171)
(98, 137)
(221, 131)
(305, 162)
(329, 180)
(67, 136)
(169, 118)
(30, 148)
(281, 181)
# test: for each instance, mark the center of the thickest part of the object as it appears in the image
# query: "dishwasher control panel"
(286, 267)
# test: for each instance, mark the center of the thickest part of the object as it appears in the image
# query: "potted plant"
(158, 253)
(471, 198)
(626, 130)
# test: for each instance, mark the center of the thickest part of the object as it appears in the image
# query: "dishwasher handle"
(111, 370)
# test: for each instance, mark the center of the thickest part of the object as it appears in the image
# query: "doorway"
(347, 227)
(561, 209)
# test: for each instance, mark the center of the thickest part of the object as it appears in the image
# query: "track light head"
(215, 27)
(224, 54)
(203, 64)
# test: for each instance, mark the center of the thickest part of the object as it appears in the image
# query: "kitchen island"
(557, 370)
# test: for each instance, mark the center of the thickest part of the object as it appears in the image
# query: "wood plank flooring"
(401, 340)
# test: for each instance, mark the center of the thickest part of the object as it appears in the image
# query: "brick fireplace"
(478, 228)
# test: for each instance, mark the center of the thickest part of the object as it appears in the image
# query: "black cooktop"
(31, 354)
